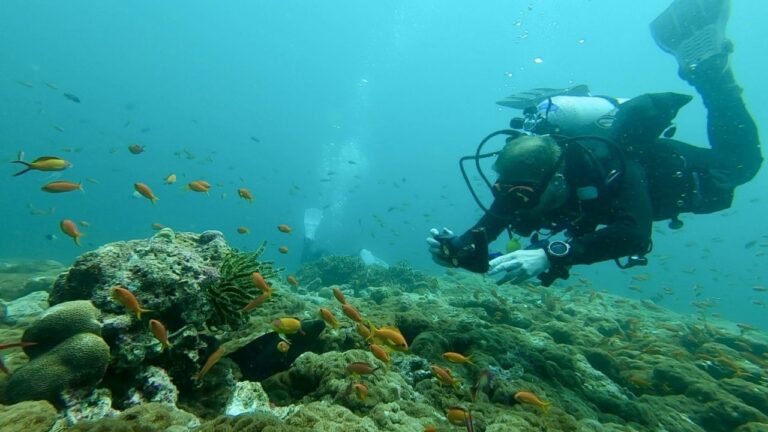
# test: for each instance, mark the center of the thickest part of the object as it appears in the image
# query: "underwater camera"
(472, 257)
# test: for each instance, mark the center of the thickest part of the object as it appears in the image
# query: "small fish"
(253, 304)
(160, 333)
(351, 313)
(61, 186)
(243, 230)
(69, 228)
(43, 163)
(364, 331)
(283, 249)
(484, 378)
(283, 346)
(84, 223)
(459, 416)
(380, 353)
(287, 326)
(16, 345)
(212, 360)
(199, 186)
(146, 192)
(292, 281)
(256, 140)
(444, 376)
(261, 284)
(284, 228)
(126, 298)
(170, 179)
(391, 336)
(51, 85)
(454, 357)
(245, 194)
(58, 128)
(26, 84)
(361, 391)
(329, 318)
(526, 397)
(361, 368)
(91, 180)
(157, 226)
(339, 295)
(72, 97)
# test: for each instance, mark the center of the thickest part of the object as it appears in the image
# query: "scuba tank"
(575, 115)
(570, 111)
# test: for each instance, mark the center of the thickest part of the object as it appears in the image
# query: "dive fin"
(312, 219)
(533, 97)
(692, 30)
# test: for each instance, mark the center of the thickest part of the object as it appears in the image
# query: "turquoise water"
(360, 108)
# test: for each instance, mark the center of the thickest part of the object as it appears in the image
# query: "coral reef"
(598, 362)
(68, 353)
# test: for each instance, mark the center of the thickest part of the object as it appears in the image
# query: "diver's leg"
(731, 129)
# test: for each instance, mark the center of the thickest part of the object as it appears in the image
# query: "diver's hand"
(519, 265)
(436, 248)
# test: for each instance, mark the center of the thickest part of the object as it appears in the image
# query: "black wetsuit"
(674, 178)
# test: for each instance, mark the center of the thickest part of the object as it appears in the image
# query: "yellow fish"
(43, 163)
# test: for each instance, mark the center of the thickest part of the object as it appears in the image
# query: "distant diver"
(600, 170)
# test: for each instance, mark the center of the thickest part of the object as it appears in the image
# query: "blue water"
(386, 95)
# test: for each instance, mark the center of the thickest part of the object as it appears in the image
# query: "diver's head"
(529, 173)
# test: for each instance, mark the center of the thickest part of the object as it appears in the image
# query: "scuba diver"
(597, 171)
(311, 250)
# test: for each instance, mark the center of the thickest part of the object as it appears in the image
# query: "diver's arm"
(628, 231)
(491, 221)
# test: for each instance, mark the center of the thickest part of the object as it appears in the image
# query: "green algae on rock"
(30, 416)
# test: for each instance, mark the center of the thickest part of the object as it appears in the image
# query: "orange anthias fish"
(136, 148)
(361, 368)
(145, 191)
(292, 280)
(243, 230)
(351, 312)
(126, 298)
(199, 186)
(69, 228)
(454, 357)
(284, 228)
(380, 353)
(3, 368)
(61, 186)
(390, 336)
(261, 284)
(44, 163)
(245, 194)
(255, 303)
(283, 249)
(283, 346)
(160, 332)
(459, 416)
(444, 376)
(339, 295)
(329, 318)
(171, 179)
(526, 397)
(212, 360)
(360, 390)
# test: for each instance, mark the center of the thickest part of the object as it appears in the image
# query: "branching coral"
(235, 288)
